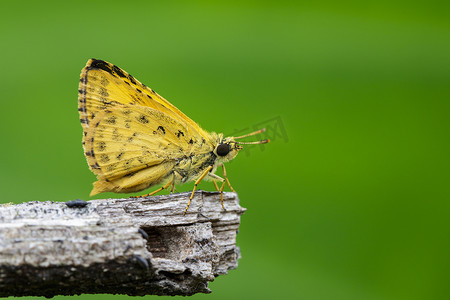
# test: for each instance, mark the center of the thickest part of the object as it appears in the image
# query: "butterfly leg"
(173, 183)
(226, 178)
(215, 184)
(217, 187)
(154, 192)
(175, 174)
(205, 172)
(221, 194)
(173, 188)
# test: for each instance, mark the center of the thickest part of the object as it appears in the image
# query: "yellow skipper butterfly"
(134, 139)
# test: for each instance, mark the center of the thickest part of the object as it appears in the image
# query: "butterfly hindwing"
(124, 142)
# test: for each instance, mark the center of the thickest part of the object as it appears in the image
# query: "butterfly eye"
(223, 149)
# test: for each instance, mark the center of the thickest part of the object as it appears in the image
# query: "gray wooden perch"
(134, 246)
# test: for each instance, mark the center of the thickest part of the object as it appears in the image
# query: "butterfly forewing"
(103, 84)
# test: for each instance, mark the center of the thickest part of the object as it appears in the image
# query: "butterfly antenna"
(250, 134)
(254, 143)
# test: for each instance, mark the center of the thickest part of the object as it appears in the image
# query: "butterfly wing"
(133, 138)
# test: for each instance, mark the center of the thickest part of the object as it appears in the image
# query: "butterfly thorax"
(205, 153)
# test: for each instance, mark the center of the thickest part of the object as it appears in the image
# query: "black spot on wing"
(111, 120)
(130, 174)
(115, 135)
(104, 158)
(83, 80)
(143, 119)
(161, 129)
(179, 133)
(118, 71)
(101, 64)
(103, 92)
(111, 167)
(135, 100)
(133, 81)
(129, 161)
(104, 81)
(101, 146)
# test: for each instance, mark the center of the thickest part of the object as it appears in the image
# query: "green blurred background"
(349, 201)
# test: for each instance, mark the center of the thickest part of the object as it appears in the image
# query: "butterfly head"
(228, 147)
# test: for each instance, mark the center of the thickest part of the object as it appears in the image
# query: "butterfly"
(134, 139)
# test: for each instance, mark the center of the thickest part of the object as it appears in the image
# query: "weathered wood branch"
(121, 246)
